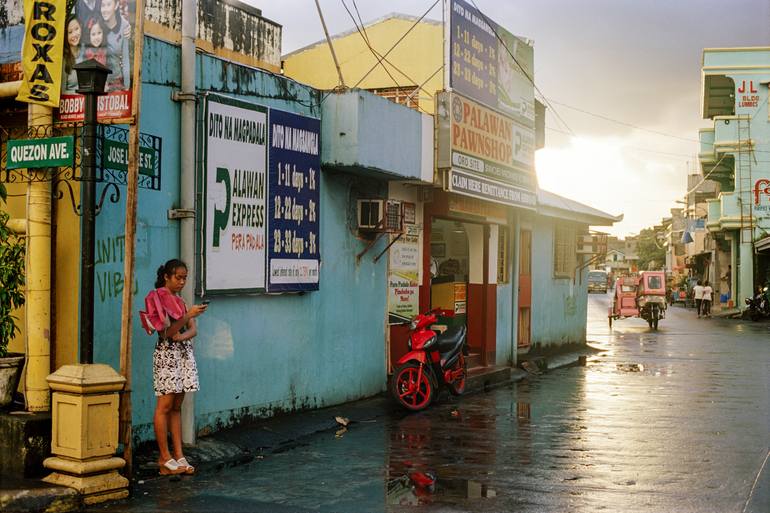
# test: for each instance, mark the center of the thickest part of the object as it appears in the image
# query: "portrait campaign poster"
(234, 178)
(103, 30)
(293, 202)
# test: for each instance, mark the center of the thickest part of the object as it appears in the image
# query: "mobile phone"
(205, 301)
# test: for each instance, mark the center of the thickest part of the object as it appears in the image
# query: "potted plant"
(11, 297)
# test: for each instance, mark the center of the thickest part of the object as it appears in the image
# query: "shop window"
(502, 255)
(564, 252)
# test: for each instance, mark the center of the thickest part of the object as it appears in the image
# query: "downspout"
(187, 181)
(38, 266)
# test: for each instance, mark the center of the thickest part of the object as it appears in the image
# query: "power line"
(524, 72)
(418, 20)
(362, 32)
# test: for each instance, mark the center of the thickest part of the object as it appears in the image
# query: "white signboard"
(235, 181)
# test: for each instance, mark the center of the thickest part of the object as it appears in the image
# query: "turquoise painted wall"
(256, 354)
(559, 307)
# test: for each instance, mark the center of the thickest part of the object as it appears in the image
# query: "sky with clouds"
(634, 61)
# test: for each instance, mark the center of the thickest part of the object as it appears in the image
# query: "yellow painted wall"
(418, 56)
(67, 275)
(67, 282)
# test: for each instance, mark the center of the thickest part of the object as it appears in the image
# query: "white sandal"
(188, 469)
(171, 468)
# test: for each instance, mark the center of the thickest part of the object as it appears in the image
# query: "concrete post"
(38, 266)
(84, 417)
(746, 278)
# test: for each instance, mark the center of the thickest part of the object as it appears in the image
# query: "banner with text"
(42, 50)
(293, 202)
(487, 143)
(235, 192)
(102, 30)
(403, 276)
(489, 64)
(490, 190)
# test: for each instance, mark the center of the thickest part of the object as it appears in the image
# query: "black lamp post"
(92, 76)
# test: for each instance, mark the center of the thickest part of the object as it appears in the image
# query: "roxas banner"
(42, 51)
(261, 179)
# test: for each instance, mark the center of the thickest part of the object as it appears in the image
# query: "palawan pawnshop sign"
(483, 141)
(261, 178)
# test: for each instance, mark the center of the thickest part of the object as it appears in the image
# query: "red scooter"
(433, 359)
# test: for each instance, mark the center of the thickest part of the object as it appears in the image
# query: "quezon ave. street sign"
(34, 153)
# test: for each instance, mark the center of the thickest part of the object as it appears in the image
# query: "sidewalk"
(277, 434)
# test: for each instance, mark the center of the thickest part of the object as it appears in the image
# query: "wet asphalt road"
(676, 420)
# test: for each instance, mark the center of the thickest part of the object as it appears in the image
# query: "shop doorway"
(458, 277)
(525, 289)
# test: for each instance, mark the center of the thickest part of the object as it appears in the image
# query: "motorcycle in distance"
(434, 360)
(758, 306)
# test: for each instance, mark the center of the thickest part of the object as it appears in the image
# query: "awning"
(763, 245)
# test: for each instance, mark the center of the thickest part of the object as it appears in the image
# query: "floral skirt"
(173, 368)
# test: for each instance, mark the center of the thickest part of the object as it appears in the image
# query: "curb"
(32, 496)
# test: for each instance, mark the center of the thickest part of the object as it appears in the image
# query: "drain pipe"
(38, 266)
(187, 185)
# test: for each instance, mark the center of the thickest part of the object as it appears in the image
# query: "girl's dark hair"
(69, 59)
(167, 269)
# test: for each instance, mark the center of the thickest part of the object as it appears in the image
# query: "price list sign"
(482, 67)
(293, 204)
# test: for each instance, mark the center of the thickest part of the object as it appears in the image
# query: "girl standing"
(707, 298)
(173, 365)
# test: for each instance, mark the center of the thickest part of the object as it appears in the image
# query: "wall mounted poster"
(293, 202)
(403, 276)
(103, 30)
(235, 193)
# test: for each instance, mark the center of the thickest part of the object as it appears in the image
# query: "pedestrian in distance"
(707, 298)
(698, 296)
(174, 371)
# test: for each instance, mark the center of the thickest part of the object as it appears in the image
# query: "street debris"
(342, 421)
(531, 367)
(630, 367)
(340, 432)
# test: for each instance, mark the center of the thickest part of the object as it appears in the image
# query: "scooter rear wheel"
(411, 388)
(457, 387)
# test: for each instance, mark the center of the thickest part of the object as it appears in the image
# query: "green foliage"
(650, 250)
(12, 251)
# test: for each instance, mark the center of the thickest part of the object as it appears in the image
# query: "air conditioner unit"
(380, 215)
(370, 213)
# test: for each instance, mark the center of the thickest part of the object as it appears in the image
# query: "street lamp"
(92, 76)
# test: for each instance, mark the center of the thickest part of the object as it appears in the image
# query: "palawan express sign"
(235, 192)
(261, 173)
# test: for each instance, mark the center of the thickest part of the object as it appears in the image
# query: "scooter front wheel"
(412, 387)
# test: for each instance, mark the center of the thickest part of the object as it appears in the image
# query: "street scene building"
(325, 201)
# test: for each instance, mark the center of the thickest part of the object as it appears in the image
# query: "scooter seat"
(451, 339)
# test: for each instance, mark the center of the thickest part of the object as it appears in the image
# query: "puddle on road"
(630, 367)
(408, 491)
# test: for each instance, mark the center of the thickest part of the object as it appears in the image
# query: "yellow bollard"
(84, 416)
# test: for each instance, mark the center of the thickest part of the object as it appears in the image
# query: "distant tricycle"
(640, 296)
